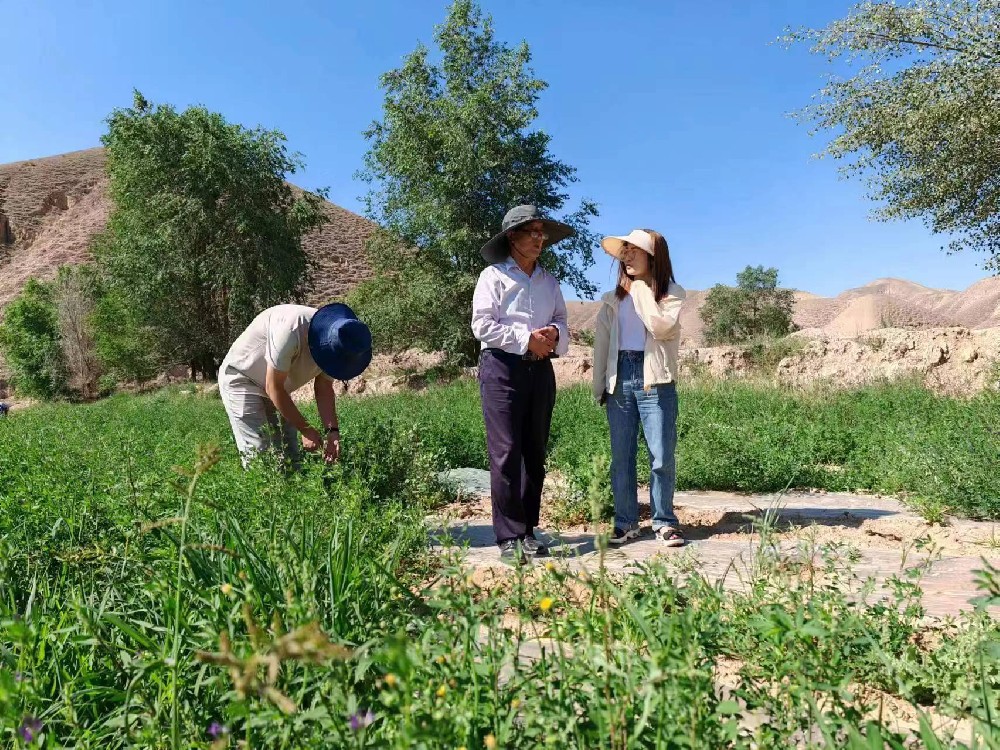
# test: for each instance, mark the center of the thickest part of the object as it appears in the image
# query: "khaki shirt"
(279, 337)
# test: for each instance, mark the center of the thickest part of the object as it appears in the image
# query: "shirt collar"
(511, 264)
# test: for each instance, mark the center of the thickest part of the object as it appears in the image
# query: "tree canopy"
(454, 150)
(920, 117)
(205, 233)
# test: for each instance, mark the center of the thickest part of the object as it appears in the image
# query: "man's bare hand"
(540, 343)
(311, 439)
(332, 451)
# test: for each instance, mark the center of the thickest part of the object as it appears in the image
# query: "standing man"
(519, 315)
(284, 348)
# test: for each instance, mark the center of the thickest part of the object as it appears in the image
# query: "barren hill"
(884, 303)
(51, 209)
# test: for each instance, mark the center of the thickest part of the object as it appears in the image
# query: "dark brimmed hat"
(498, 248)
(339, 343)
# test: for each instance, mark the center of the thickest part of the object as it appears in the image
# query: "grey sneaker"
(670, 537)
(620, 536)
(534, 547)
(512, 553)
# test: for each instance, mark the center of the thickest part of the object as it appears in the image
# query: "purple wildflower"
(18, 677)
(359, 721)
(216, 730)
(30, 729)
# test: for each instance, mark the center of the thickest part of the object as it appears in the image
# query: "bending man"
(284, 348)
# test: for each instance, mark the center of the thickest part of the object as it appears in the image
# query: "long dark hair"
(663, 269)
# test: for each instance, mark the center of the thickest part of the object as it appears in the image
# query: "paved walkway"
(948, 579)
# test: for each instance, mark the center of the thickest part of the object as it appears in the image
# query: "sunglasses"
(535, 234)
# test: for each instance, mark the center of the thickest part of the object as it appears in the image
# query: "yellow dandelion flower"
(442, 691)
(514, 704)
(550, 566)
(226, 588)
(440, 659)
(391, 680)
(490, 741)
(545, 604)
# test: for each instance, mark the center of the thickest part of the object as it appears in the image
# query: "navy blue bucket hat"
(339, 343)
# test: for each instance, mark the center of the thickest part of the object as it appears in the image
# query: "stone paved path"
(948, 580)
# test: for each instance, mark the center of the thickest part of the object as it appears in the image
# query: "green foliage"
(425, 306)
(29, 337)
(205, 233)
(755, 307)
(919, 118)
(898, 439)
(453, 152)
(766, 352)
(142, 611)
(75, 291)
(584, 336)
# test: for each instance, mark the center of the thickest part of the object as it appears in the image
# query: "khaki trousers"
(257, 425)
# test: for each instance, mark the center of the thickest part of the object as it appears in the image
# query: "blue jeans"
(656, 409)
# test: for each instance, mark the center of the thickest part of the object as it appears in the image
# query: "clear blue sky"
(674, 113)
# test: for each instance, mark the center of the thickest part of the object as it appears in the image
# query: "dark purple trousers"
(518, 397)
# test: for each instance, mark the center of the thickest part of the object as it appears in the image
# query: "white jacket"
(663, 337)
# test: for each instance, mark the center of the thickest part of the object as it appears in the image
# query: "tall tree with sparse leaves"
(454, 151)
(204, 234)
(920, 116)
(756, 306)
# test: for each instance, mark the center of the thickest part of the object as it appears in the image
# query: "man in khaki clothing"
(284, 348)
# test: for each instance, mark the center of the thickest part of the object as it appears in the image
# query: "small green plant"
(874, 341)
(584, 336)
(767, 352)
(694, 368)
(933, 510)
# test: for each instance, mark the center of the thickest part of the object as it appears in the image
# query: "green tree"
(920, 116)
(204, 234)
(454, 151)
(29, 338)
(754, 307)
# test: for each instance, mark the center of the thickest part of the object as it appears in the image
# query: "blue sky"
(674, 113)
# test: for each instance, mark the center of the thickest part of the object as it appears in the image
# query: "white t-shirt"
(631, 331)
(279, 337)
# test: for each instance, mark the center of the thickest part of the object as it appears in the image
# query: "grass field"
(145, 607)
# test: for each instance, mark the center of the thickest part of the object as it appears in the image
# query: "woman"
(635, 374)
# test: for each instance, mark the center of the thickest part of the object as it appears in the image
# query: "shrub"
(29, 336)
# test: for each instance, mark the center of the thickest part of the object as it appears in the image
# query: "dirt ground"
(897, 532)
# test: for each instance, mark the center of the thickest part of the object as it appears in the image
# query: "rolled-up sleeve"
(559, 320)
(486, 326)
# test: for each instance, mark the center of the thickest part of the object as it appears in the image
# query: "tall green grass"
(143, 607)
